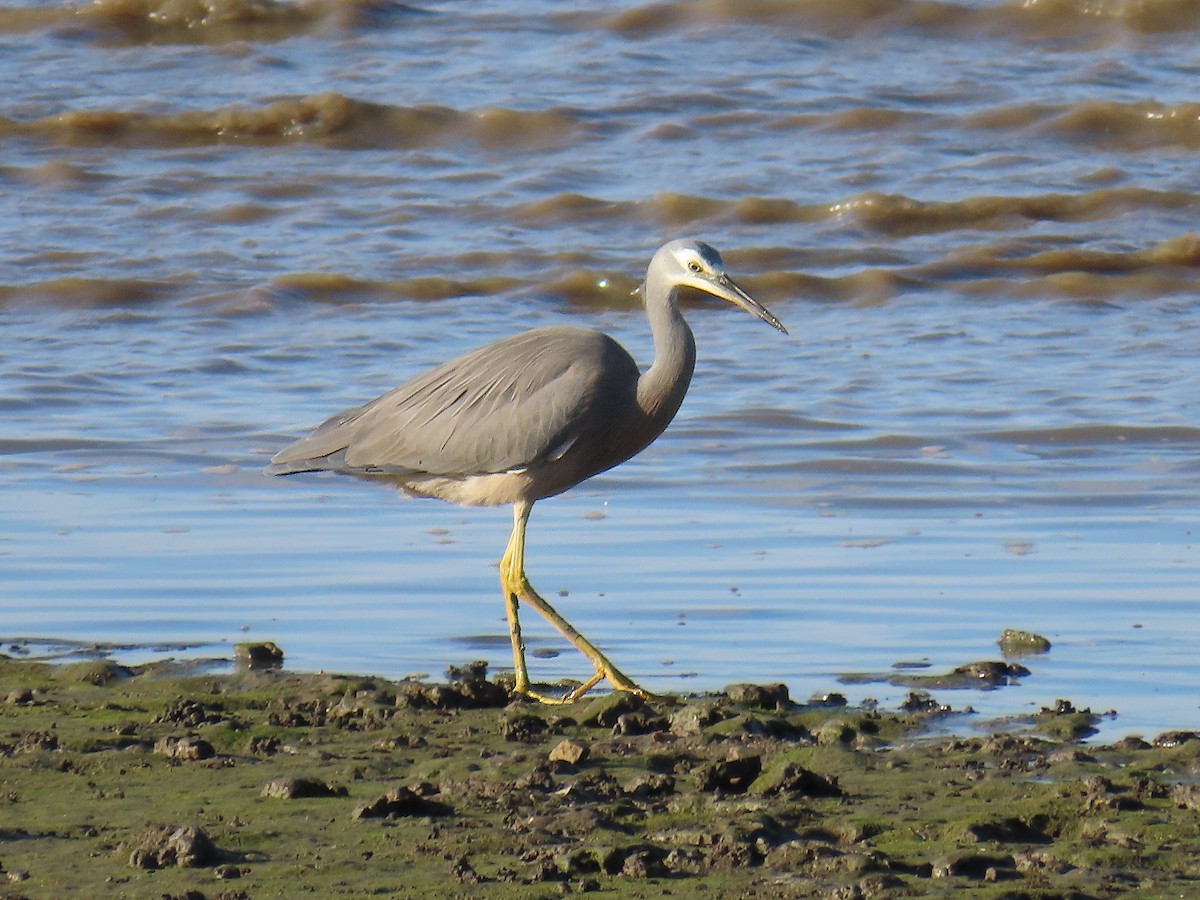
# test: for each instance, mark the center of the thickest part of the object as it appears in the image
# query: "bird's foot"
(534, 697)
(618, 681)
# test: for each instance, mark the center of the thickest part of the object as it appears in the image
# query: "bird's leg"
(517, 588)
(514, 622)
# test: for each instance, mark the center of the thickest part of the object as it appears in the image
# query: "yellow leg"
(517, 588)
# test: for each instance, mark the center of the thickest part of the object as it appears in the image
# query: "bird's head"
(696, 265)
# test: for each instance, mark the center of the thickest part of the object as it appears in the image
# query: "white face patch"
(696, 263)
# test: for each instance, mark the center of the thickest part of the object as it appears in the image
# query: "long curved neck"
(662, 387)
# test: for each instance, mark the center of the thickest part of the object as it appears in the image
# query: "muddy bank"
(265, 784)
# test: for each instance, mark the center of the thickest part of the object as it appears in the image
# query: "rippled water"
(225, 220)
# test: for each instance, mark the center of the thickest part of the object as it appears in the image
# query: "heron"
(526, 418)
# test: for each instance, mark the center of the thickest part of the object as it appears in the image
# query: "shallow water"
(225, 221)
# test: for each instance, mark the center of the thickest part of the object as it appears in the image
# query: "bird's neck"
(662, 387)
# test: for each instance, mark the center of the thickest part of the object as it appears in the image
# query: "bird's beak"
(726, 288)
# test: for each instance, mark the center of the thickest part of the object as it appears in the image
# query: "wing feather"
(503, 407)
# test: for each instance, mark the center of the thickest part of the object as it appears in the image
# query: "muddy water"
(223, 221)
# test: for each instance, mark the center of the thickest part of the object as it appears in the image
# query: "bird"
(528, 417)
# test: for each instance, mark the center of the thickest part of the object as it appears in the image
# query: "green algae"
(346, 786)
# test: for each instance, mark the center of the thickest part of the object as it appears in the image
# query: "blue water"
(978, 227)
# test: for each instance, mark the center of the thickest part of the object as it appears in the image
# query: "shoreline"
(270, 783)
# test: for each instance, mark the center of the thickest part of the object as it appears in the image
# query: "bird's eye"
(695, 267)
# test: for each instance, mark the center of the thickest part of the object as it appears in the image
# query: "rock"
(569, 752)
(472, 671)
(972, 865)
(188, 714)
(603, 712)
(990, 673)
(792, 779)
(640, 722)
(188, 748)
(35, 742)
(1016, 643)
(463, 873)
(647, 784)
(1175, 738)
(644, 862)
(923, 702)
(471, 693)
(399, 802)
(100, 672)
(983, 675)
(160, 846)
(294, 788)
(1008, 830)
(836, 732)
(522, 727)
(1067, 723)
(692, 719)
(257, 655)
(19, 697)
(769, 696)
(262, 746)
(1186, 796)
(730, 775)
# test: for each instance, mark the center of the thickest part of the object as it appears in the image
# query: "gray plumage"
(545, 400)
(528, 417)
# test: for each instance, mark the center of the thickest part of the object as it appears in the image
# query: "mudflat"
(161, 782)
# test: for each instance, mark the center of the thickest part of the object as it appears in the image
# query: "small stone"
(1171, 739)
(730, 775)
(257, 655)
(399, 802)
(692, 719)
(923, 702)
(262, 746)
(293, 788)
(160, 846)
(1186, 796)
(603, 712)
(793, 780)
(570, 752)
(1014, 642)
(650, 784)
(472, 671)
(760, 696)
(522, 727)
(972, 865)
(463, 873)
(227, 872)
(835, 732)
(184, 749)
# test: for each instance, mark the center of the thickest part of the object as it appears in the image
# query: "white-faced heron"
(529, 417)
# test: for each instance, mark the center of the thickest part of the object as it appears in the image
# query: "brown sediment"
(1004, 268)
(1128, 126)
(885, 213)
(83, 292)
(1096, 21)
(202, 21)
(329, 119)
(362, 786)
(898, 214)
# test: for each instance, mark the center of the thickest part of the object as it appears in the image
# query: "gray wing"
(502, 407)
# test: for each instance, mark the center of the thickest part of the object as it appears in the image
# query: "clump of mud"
(361, 786)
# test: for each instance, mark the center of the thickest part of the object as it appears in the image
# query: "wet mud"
(255, 783)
